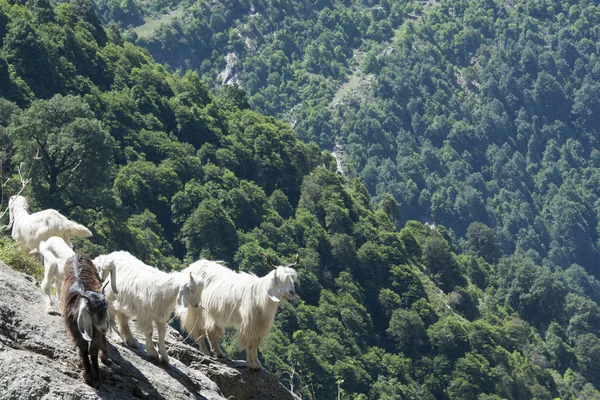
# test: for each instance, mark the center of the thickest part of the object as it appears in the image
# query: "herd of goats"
(206, 296)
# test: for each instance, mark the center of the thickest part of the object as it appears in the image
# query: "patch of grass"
(18, 260)
(150, 25)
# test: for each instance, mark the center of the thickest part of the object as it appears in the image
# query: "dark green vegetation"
(290, 54)
(460, 131)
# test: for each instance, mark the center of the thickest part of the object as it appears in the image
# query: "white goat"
(148, 295)
(28, 230)
(240, 300)
(55, 252)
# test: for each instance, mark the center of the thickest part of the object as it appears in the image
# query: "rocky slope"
(38, 362)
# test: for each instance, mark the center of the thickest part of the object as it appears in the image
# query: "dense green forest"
(478, 116)
(463, 111)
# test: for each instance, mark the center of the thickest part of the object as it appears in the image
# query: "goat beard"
(10, 222)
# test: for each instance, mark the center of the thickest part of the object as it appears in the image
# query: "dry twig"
(24, 181)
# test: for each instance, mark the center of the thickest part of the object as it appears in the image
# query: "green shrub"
(18, 260)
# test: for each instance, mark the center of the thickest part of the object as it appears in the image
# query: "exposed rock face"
(37, 360)
(229, 75)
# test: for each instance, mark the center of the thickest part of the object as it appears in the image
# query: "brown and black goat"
(85, 312)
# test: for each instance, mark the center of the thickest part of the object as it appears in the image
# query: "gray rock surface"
(37, 360)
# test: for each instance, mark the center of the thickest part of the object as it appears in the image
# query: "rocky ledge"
(37, 361)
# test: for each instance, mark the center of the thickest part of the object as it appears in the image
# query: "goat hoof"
(93, 381)
(106, 362)
(133, 344)
(90, 382)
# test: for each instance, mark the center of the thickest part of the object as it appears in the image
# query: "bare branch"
(24, 182)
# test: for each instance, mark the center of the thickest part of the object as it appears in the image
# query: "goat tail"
(75, 229)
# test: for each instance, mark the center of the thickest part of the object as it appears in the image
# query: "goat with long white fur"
(55, 252)
(28, 230)
(148, 295)
(240, 300)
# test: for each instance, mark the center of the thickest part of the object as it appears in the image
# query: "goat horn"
(104, 287)
(269, 263)
(295, 262)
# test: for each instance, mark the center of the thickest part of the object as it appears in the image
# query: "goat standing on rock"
(28, 230)
(148, 295)
(241, 300)
(85, 312)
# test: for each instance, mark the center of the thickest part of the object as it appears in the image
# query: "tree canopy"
(454, 259)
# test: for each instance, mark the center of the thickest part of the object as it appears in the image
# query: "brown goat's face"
(93, 314)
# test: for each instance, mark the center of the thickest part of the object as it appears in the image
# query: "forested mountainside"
(157, 164)
(465, 112)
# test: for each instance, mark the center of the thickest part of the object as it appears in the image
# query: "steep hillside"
(481, 116)
(290, 55)
(464, 112)
(156, 164)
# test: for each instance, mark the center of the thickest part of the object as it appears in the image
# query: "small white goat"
(28, 230)
(240, 300)
(55, 252)
(148, 295)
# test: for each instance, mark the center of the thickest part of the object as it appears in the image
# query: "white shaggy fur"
(240, 300)
(55, 252)
(28, 230)
(148, 295)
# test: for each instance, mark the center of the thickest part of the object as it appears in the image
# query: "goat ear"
(182, 297)
(84, 321)
(273, 292)
(113, 279)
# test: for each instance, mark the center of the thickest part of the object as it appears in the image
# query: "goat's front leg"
(162, 349)
(46, 285)
(146, 328)
(95, 372)
(104, 351)
(252, 357)
(123, 322)
(199, 331)
(82, 345)
(150, 344)
(214, 343)
(58, 283)
(202, 343)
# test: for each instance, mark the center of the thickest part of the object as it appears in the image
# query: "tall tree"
(75, 151)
